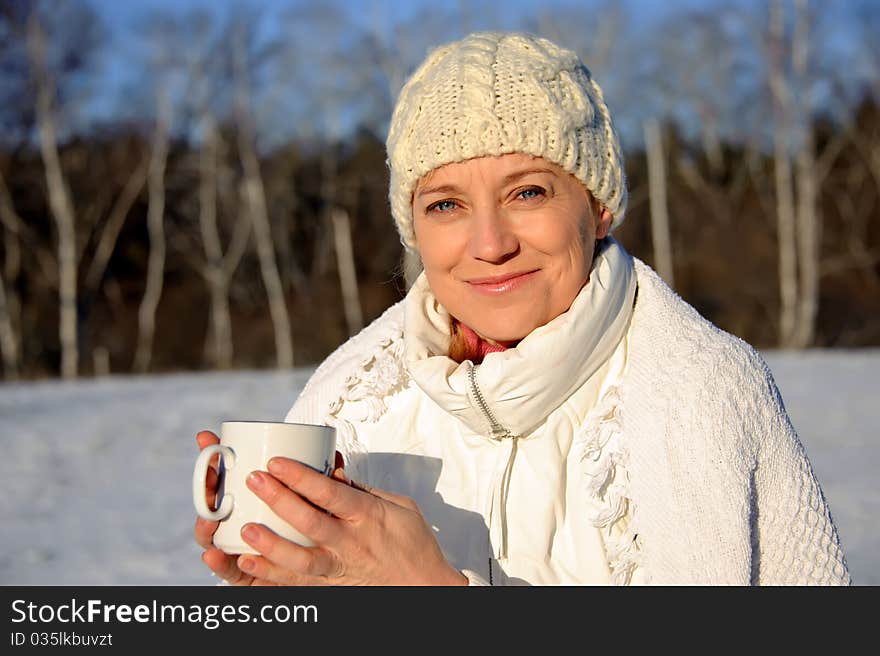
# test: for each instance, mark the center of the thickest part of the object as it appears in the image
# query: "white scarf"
(523, 384)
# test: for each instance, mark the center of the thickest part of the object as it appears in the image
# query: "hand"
(372, 537)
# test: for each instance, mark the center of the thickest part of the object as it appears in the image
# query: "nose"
(492, 238)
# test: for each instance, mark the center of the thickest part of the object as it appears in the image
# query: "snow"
(95, 474)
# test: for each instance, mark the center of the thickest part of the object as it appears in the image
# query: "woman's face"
(506, 242)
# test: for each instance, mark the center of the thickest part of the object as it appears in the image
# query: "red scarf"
(478, 347)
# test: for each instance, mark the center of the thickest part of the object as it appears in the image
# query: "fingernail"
(276, 466)
(255, 480)
(250, 533)
(247, 564)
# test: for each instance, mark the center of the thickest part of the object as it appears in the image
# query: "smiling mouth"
(501, 284)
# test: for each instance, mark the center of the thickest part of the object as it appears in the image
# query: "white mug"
(246, 446)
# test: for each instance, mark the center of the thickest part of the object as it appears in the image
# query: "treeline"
(197, 230)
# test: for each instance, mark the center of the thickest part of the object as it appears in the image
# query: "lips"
(501, 284)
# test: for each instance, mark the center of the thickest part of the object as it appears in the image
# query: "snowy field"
(95, 475)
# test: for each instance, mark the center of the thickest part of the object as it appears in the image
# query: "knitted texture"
(729, 474)
(721, 489)
(495, 93)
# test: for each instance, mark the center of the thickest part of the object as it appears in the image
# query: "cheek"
(570, 242)
(438, 246)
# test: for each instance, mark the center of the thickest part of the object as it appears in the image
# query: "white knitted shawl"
(695, 438)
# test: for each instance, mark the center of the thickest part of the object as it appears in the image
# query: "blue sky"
(125, 18)
(124, 14)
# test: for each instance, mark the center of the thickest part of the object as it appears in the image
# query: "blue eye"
(530, 193)
(442, 206)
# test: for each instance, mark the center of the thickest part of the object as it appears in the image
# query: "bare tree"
(659, 210)
(59, 195)
(156, 227)
(254, 195)
(797, 190)
(219, 267)
(218, 283)
(10, 342)
(347, 274)
(361, 73)
(785, 205)
(808, 219)
(8, 337)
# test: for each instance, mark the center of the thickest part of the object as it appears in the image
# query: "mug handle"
(200, 473)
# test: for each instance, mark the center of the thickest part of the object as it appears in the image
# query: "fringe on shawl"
(604, 458)
(364, 394)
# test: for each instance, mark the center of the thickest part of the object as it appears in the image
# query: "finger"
(204, 532)
(212, 480)
(397, 499)
(225, 566)
(339, 461)
(286, 562)
(312, 522)
(342, 500)
(206, 438)
(267, 573)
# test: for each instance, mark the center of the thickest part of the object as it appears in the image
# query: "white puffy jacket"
(692, 472)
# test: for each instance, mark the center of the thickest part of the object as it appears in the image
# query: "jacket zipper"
(498, 432)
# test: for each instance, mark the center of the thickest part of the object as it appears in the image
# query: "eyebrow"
(511, 177)
(440, 189)
(516, 175)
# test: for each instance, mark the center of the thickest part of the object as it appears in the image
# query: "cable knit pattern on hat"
(496, 93)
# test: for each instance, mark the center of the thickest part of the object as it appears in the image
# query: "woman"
(540, 408)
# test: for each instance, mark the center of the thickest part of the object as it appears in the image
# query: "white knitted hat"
(494, 93)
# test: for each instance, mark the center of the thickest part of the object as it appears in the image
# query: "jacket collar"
(521, 386)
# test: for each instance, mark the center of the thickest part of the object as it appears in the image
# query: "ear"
(603, 223)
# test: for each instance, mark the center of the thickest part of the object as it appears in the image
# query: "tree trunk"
(659, 208)
(220, 333)
(255, 198)
(808, 219)
(60, 202)
(347, 273)
(10, 313)
(785, 220)
(8, 341)
(156, 227)
(788, 282)
(808, 234)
